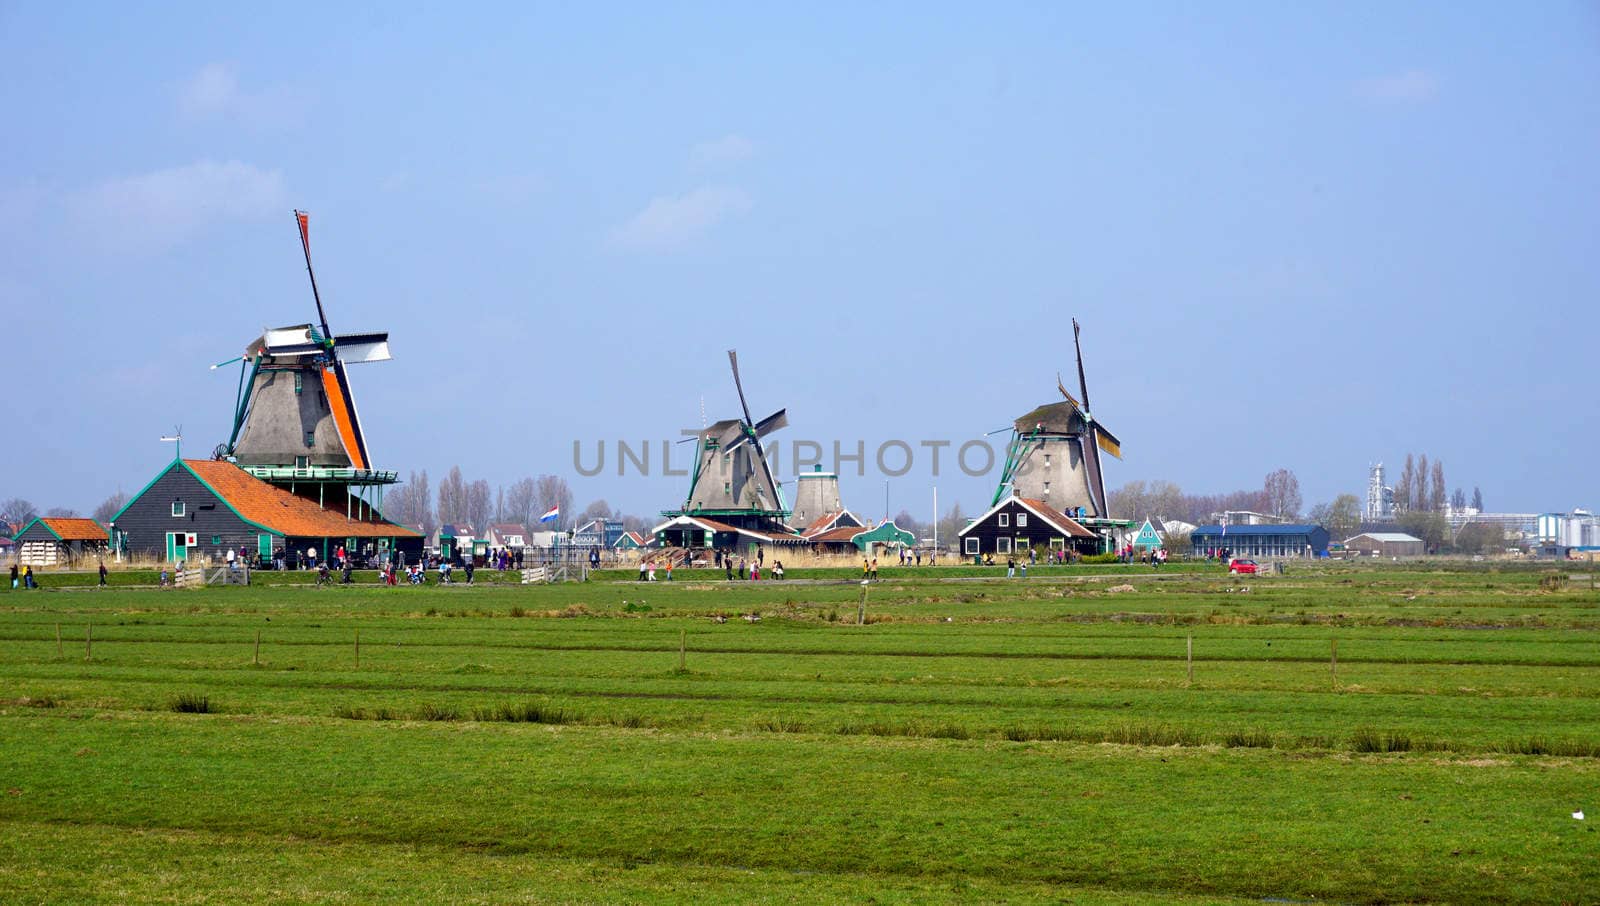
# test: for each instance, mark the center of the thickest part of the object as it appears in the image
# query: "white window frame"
(179, 509)
(970, 545)
(1002, 545)
(1022, 520)
(1022, 544)
(1005, 520)
(1057, 543)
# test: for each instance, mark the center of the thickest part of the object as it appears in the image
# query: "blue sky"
(1297, 235)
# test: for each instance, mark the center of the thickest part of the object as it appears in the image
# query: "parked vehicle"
(1241, 567)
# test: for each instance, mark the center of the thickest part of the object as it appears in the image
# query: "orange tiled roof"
(844, 533)
(283, 512)
(76, 529)
(822, 522)
(1062, 522)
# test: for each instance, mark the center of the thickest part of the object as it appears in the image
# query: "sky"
(1307, 236)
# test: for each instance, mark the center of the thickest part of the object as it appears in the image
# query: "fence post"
(861, 607)
(683, 644)
(59, 652)
(88, 643)
(258, 648)
(1189, 655)
(1333, 661)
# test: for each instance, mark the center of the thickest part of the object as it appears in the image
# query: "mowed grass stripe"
(1188, 820)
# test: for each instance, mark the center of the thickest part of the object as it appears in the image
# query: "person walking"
(27, 577)
(14, 577)
(102, 574)
(1011, 567)
(669, 569)
(727, 564)
(643, 567)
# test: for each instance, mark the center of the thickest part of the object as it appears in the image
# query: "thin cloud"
(1411, 87)
(725, 150)
(154, 210)
(213, 92)
(670, 220)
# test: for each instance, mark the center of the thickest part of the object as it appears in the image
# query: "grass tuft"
(190, 703)
(524, 713)
(1248, 739)
(781, 725)
(435, 712)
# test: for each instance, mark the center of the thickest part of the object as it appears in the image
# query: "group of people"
(24, 579)
(913, 557)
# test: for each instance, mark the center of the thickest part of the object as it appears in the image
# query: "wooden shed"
(54, 541)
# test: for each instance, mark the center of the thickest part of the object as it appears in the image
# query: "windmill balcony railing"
(323, 473)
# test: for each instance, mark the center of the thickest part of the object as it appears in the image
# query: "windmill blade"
(1107, 441)
(1097, 485)
(304, 220)
(771, 423)
(1063, 388)
(755, 437)
(336, 384)
(1083, 385)
(357, 348)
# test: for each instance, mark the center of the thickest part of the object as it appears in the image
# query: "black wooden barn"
(201, 509)
(1016, 524)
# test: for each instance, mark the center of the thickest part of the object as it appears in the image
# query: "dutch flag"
(553, 512)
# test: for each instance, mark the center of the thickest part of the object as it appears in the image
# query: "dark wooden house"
(200, 509)
(51, 541)
(1016, 524)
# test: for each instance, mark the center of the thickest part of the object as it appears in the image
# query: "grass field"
(977, 740)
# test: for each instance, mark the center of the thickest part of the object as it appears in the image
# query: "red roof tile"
(283, 512)
(76, 529)
(1061, 521)
(844, 533)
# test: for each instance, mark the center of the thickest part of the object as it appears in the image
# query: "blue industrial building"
(1261, 540)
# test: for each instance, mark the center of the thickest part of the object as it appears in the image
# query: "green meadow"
(1094, 734)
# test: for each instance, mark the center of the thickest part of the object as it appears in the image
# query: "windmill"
(732, 479)
(294, 409)
(1054, 453)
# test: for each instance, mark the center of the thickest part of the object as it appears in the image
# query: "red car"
(1241, 567)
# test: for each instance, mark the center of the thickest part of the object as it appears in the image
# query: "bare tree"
(18, 511)
(553, 492)
(521, 501)
(500, 503)
(1344, 516)
(951, 525)
(1436, 493)
(1282, 492)
(910, 523)
(453, 497)
(412, 503)
(1477, 499)
(1419, 488)
(1458, 500)
(599, 509)
(109, 507)
(478, 504)
(61, 512)
(1403, 487)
